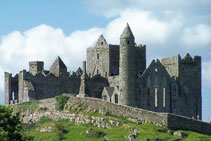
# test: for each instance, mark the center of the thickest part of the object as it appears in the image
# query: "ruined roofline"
(185, 57)
(157, 61)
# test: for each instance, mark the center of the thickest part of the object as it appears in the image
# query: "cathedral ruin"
(117, 74)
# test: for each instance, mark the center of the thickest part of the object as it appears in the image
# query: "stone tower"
(127, 68)
(36, 67)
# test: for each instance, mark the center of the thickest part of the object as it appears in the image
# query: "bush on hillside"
(10, 126)
(61, 101)
(93, 133)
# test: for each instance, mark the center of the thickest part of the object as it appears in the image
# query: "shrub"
(10, 126)
(61, 130)
(43, 120)
(61, 101)
(91, 133)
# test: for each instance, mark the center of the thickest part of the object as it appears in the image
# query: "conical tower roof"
(127, 32)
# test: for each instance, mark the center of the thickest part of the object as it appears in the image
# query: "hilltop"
(60, 118)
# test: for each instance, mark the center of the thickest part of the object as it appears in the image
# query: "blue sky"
(42, 29)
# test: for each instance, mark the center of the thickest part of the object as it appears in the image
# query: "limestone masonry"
(118, 74)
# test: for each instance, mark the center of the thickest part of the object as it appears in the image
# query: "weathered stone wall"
(121, 110)
(183, 123)
(40, 87)
(160, 119)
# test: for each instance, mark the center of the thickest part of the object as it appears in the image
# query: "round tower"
(127, 68)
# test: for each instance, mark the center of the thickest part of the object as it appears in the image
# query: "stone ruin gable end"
(155, 79)
(103, 59)
(186, 89)
(58, 67)
(159, 119)
(107, 93)
(98, 59)
(11, 88)
(111, 94)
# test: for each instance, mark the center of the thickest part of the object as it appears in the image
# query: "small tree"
(10, 125)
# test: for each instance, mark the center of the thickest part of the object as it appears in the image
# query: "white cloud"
(206, 73)
(44, 43)
(197, 36)
(146, 28)
(112, 8)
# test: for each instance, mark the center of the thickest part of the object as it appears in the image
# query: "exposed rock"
(46, 129)
(180, 134)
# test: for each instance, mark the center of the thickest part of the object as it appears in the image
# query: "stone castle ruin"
(118, 74)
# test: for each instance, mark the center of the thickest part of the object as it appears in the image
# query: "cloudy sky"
(43, 29)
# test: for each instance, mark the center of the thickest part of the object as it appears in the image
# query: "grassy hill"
(52, 120)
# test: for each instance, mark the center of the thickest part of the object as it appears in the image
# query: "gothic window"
(156, 97)
(116, 98)
(98, 56)
(105, 74)
(164, 97)
(101, 43)
(128, 42)
(156, 70)
(148, 96)
(97, 71)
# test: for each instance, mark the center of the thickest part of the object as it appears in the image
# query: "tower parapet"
(36, 67)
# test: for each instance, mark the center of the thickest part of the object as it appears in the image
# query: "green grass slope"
(69, 131)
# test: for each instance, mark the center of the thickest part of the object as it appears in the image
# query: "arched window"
(98, 56)
(116, 98)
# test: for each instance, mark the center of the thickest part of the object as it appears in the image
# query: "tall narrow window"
(116, 98)
(98, 56)
(156, 97)
(148, 96)
(105, 74)
(128, 42)
(97, 71)
(164, 97)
